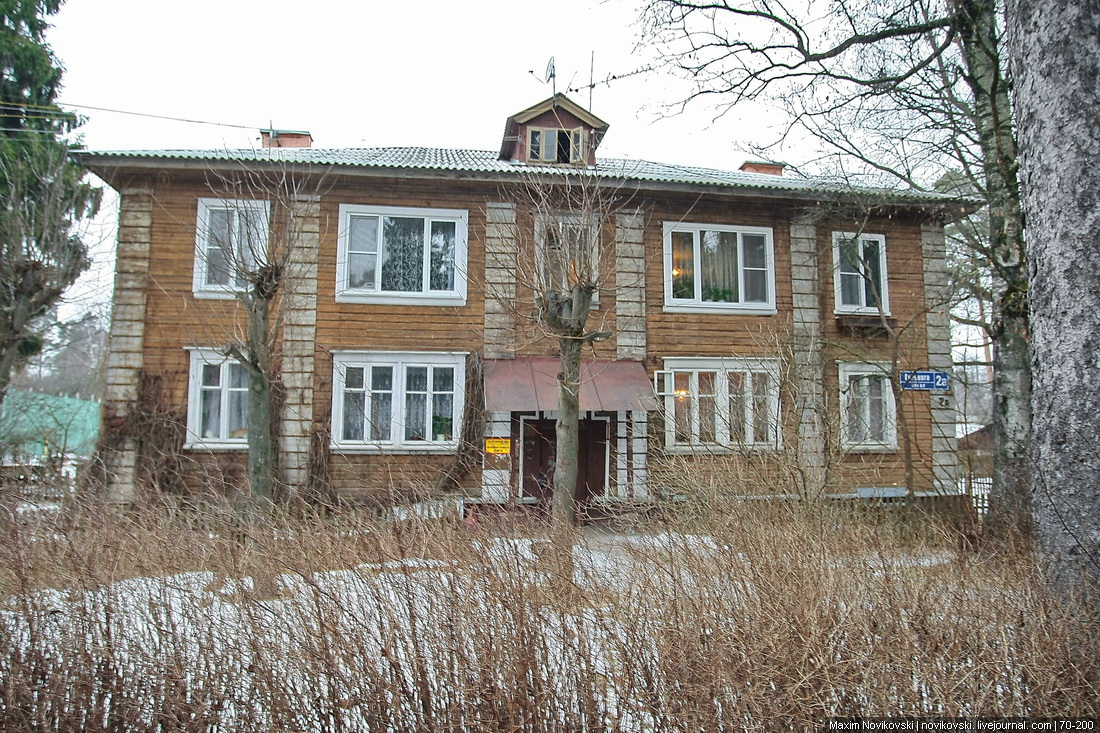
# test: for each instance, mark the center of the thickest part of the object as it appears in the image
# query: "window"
(710, 267)
(398, 255)
(549, 145)
(568, 246)
(397, 401)
(217, 408)
(868, 418)
(720, 404)
(230, 238)
(860, 274)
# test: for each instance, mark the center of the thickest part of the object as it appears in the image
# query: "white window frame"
(889, 443)
(201, 357)
(453, 297)
(576, 145)
(860, 308)
(206, 206)
(723, 442)
(565, 218)
(400, 361)
(696, 304)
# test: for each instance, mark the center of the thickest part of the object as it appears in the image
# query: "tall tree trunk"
(1055, 46)
(261, 434)
(981, 46)
(566, 468)
(1010, 498)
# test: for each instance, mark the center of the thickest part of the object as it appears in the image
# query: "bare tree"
(251, 234)
(564, 266)
(904, 91)
(1056, 63)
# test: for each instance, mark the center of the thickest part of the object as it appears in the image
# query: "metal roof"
(487, 163)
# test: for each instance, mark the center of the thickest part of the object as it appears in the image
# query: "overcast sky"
(359, 73)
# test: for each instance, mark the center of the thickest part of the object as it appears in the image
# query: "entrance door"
(540, 460)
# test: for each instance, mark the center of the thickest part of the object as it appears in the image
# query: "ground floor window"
(406, 400)
(217, 413)
(867, 409)
(711, 403)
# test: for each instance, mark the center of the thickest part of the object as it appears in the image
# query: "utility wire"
(162, 117)
(57, 108)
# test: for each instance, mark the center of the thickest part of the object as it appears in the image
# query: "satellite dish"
(550, 70)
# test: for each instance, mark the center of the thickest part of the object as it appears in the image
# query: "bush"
(730, 616)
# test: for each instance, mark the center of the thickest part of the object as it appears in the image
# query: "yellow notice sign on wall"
(501, 446)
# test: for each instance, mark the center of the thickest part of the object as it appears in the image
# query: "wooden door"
(539, 460)
(539, 437)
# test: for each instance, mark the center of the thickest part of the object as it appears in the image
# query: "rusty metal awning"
(531, 383)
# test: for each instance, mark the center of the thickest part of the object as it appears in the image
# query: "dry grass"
(731, 617)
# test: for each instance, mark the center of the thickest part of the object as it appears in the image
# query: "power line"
(161, 117)
(60, 112)
(29, 129)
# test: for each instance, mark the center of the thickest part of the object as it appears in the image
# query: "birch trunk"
(1055, 47)
(981, 44)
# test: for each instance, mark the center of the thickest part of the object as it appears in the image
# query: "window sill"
(861, 313)
(867, 448)
(721, 308)
(721, 450)
(395, 299)
(216, 445)
(219, 294)
(398, 450)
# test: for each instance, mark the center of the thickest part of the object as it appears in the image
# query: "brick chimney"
(757, 166)
(286, 139)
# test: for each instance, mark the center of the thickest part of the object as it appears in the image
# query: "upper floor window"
(868, 414)
(720, 404)
(399, 255)
(550, 145)
(568, 252)
(860, 273)
(710, 267)
(217, 405)
(230, 239)
(398, 401)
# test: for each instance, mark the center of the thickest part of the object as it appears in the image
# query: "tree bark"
(566, 468)
(261, 438)
(1055, 48)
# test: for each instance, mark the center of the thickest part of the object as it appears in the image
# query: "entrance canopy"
(530, 383)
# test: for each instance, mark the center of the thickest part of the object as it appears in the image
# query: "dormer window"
(550, 145)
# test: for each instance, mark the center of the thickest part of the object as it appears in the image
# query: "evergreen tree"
(42, 192)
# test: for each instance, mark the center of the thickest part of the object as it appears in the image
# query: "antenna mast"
(591, 77)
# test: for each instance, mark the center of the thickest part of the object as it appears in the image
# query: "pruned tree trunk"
(261, 408)
(1055, 47)
(569, 315)
(256, 357)
(566, 469)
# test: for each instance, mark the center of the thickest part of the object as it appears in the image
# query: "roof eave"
(111, 167)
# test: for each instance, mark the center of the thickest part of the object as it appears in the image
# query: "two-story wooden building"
(755, 323)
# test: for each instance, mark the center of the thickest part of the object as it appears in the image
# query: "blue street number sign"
(929, 381)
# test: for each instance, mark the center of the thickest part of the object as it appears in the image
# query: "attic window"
(550, 145)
